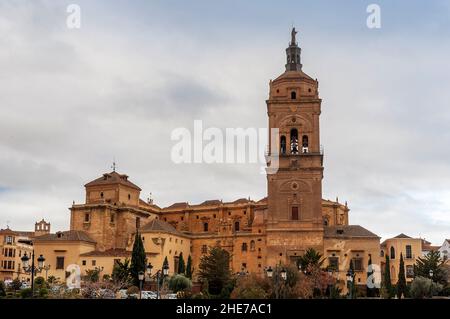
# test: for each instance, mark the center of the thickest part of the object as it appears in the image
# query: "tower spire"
(293, 54)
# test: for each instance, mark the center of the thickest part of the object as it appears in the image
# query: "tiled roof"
(212, 202)
(348, 231)
(113, 178)
(178, 205)
(402, 236)
(114, 252)
(8, 231)
(70, 235)
(157, 225)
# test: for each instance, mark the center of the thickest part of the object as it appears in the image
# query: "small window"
(94, 262)
(283, 144)
(325, 221)
(59, 262)
(293, 95)
(214, 215)
(204, 249)
(409, 271)
(101, 194)
(205, 227)
(382, 253)
(294, 213)
(252, 245)
(358, 264)
(333, 263)
(87, 218)
(129, 196)
(83, 262)
(182, 218)
(236, 226)
(112, 218)
(244, 247)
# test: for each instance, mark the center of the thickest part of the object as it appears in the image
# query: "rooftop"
(70, 235)
(111, 179)
(353, 231)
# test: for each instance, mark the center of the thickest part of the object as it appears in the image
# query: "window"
(333, 263)
(59, 262)
(252, 245)
(358, 264)
(294, 214)
(392, 253)
(112, 217)
(409, 271)
(244, 247)
(236, 226)
(204, 249)
(101, 194)
(87, 218)
(283, 144)
(205, 226)
(382, 253)
(293, 95)
(182, 218)
(325, 221)
(94, 263)
(305, 144)
(9, 239)
(214, 215)
(83, 262)
(129, 196)
(408, 252)
(294, 141)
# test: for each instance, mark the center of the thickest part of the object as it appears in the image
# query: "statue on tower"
(293, 33)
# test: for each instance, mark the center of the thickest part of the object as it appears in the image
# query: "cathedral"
(258, 234)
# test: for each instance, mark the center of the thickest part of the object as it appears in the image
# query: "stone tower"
(294, 218)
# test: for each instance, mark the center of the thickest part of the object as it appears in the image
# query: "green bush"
(40, 282)
(2, 289)
(43, 293)
(26, 293)
(179, 283)
(423, 287)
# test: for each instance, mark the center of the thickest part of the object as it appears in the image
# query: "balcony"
(301, 152)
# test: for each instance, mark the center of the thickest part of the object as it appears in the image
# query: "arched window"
(205, 227)
(298, 58)
(244, 247)
(382, 253)
(325, 221)
(101, 194)
(294, 141)
(283, 144)
(252, 245)
(236, 226)
(392, 253)
(305, 144)
(293, 95)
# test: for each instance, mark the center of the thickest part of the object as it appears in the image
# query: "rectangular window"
(9, 239)
(87, 218)
(112, 218)
(204, 249)
(408, 252)
(409, 271)
(294, 213)
(333, 263)
(94, 263)
(59, 262)
(358, 264)
(83, 262)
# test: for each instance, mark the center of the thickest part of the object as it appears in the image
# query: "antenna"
(114, 164)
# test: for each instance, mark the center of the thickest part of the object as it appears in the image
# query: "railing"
(300, 153)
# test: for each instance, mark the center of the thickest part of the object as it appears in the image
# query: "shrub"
(43, 292)
(251, 287)
(2, 289)
(423, 287)
(40, 282)
(26, 293)
(179, 283)
(133, 290)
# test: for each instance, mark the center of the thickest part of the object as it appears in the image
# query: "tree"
(214, 268)
(251, 287)
(432, 261)
(92, 275)
(181, 265)
(189, 270)
(137, 258)
(422, 287)
(121, 274)
(387, 285)
(2, 289)
(311, 257)
(401, 283)
(179, 283)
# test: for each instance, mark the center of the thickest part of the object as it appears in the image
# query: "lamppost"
(431, 273)
(46, 268)
(32, 269)
(281, 274)
(350, 282)
(141, 280)
(165, 273)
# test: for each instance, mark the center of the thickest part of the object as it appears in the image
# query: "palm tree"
(310, 258)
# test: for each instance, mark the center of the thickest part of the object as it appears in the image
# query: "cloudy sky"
(71, 100)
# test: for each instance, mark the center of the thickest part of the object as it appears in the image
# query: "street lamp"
(149, 269)
(431, 273)
(141, 279)
(283, 274)
(269, 272)
(350, 279)
(166, 270)
(32, 269)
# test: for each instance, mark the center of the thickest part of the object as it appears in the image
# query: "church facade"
(276, 229)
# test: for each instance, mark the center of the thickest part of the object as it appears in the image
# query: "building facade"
(276, 229)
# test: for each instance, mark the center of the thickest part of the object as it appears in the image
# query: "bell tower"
(294, 219)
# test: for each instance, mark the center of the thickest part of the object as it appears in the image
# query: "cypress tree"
(181, 265)
(189, 267)
(137, 258)
(387, 285)
(401, 283)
